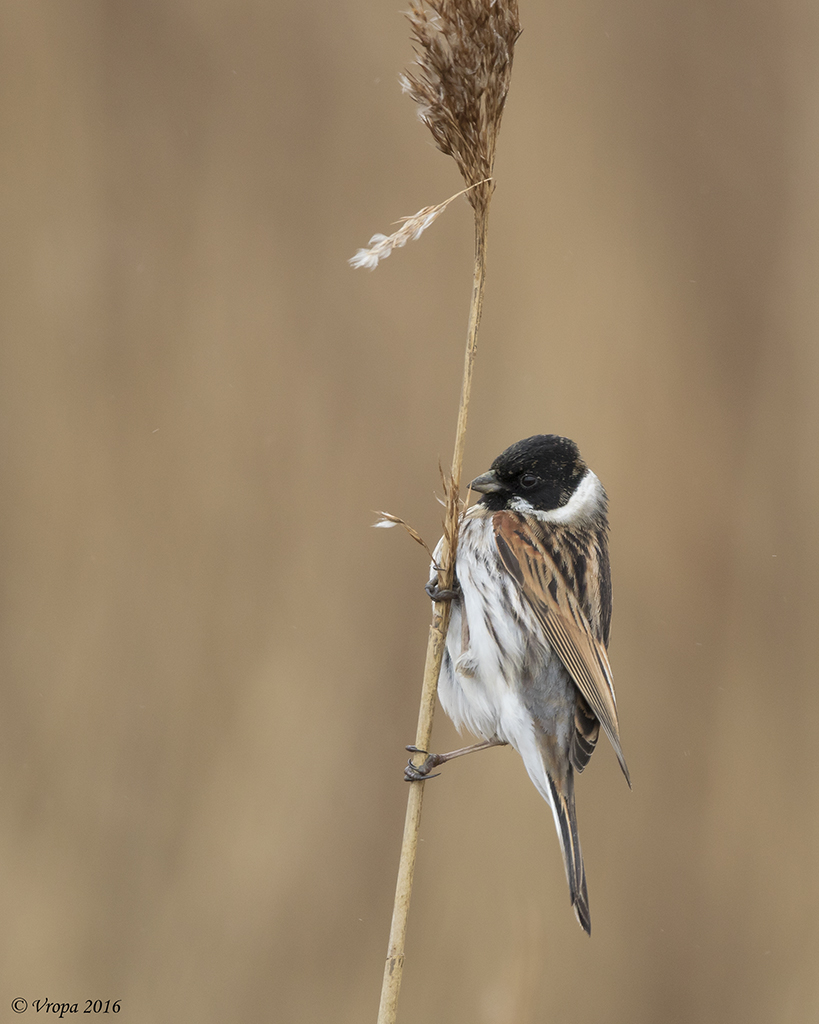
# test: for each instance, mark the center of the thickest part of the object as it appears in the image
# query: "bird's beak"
(487, 483)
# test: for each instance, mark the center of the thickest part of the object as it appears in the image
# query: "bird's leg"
(419, 772)
(439, 594)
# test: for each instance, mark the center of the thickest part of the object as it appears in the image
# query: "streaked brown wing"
(566, 626)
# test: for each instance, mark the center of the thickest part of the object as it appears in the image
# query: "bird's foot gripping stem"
(438, 593)
(420, 772)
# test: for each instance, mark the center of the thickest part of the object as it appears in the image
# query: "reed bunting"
(525, 660)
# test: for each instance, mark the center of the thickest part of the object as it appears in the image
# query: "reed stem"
(394, 967)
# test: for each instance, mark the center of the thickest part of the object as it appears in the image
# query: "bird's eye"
(529, 480)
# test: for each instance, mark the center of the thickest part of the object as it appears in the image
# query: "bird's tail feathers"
(566, 821)
(558, 791)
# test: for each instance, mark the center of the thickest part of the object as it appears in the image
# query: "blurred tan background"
(211, 662)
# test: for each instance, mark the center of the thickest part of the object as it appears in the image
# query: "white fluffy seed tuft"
(411, 229)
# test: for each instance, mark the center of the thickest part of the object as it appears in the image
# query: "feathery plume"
(464, 51)
(411, 229)
(382, 245)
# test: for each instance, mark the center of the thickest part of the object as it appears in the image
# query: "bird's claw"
(442, 594)
(413, 773)
(420, 772)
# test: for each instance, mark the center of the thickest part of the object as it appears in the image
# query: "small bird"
(525, 661)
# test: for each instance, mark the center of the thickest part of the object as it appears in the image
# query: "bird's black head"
(543, 470)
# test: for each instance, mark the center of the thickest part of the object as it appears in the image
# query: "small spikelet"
(382, 245)
(411, 229)
(388, 520)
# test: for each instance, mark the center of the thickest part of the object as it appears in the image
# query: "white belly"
(482, 686)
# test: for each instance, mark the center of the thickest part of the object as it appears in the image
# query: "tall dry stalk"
(460, 81)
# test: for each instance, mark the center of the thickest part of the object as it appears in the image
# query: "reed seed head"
(463, 65)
